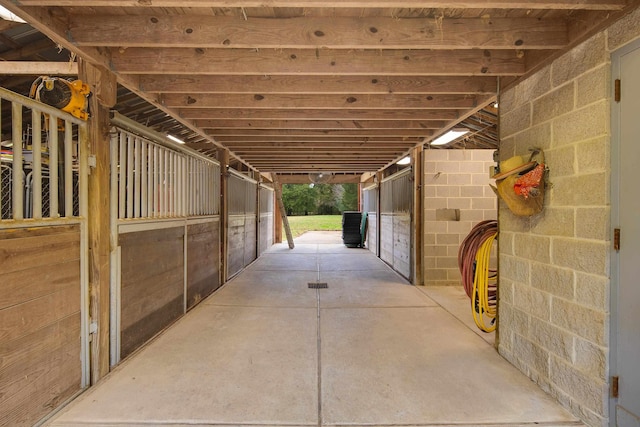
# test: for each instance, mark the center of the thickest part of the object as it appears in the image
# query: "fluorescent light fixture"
(10, 16)
(404, 161)
(174, 139)
(449, 136)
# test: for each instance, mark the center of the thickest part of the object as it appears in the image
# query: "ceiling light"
(404, 161)
(174, 139)
(10, 16)
(449, 136)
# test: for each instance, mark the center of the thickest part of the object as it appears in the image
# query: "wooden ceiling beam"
(304, 142)
(203, 31)
(38, 68)
(289, 84)
(438, 4)
(274, 101)
(329, 132)
(324, 114)
(473, 62)
(319, 124)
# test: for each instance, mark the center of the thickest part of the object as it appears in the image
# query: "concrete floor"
(265, 350)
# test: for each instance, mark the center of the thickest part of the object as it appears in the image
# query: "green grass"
(301, 224)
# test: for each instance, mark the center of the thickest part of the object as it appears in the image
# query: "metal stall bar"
(18, 180)
(53, 168)
(36, 150)
(68, 169)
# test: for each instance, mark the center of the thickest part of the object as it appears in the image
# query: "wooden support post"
(277, 220)
(103, 88)
(223, 158)
(283, 212)
(416, 217)
(379, 176)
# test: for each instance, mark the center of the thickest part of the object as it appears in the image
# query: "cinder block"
(581, 190)
(430, 167)
(472, 191)
(429, 191)
(593, 291)
(532, 248)
(531, 354)
(435, 179)
(460, 155)
(474, 167)
(590, 359)
(534, 86)
(436, 251)
(515, 121)
(459, 203)
(580, 125)
(483, 203)
(448, 239)
(556, 103)
(473, 215)
(532, 301)
(433, 274)
(510, 222)
(593, 86)
(447, 214)
(587, 390)
(624, 30)
(593, 223)
(507, 100)
(593, 155)
(538, 136)
(554, 221)
(435, 227)
(578, 60)
(429, 262)
(561, 161)
(506, 291)
(489, 214)
(580, 320)
(448, 167)
(482, 155)
(448, 263)
(448, 191)
(552, 279)
(583, 255)
(508, 146)
(437, 202)
(554, 339)
(435, 154)
(505, 242)
(480, 178)
(459, 178)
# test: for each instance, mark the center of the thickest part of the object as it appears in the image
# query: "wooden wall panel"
(236, 240)
(203, 252)
(152, 293)
(266, 232)
(40, 364)
(386, 238)
(372, 232)
(250, 239)
(402, 245)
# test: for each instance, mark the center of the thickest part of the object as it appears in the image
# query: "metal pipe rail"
(54, 193)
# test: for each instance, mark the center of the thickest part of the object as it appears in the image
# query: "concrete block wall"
(554, 267)
(453, 180)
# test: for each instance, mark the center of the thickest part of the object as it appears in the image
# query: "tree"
(298, 199)
(349, 198)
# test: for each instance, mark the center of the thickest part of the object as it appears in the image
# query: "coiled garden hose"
(478, 279)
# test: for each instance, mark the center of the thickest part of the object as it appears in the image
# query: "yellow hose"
(483, 307)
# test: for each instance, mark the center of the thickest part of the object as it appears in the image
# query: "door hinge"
(615, 383)
(616, 239)
(617, 90)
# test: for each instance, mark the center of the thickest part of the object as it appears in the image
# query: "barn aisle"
(268, 350)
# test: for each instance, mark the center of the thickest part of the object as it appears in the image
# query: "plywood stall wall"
(242, 233)
(457, 196)
(152, 284)
(203, 259)
(370, 206)
(265, 240)
(166, 205)
(395, 222)
(40, 356)
(554, 267)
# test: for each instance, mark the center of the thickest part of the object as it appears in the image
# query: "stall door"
(625, 313)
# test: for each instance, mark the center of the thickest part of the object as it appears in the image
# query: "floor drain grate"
(317, 285)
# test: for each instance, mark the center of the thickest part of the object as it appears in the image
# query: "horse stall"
(165, 219)
(396, 194)
(44, 323)
(242, 222)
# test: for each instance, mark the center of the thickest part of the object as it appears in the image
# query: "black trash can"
(351, 224)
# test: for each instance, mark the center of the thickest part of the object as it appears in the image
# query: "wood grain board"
(203, 254)
(40, 365)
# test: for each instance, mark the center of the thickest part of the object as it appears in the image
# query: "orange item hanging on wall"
(528, 183)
